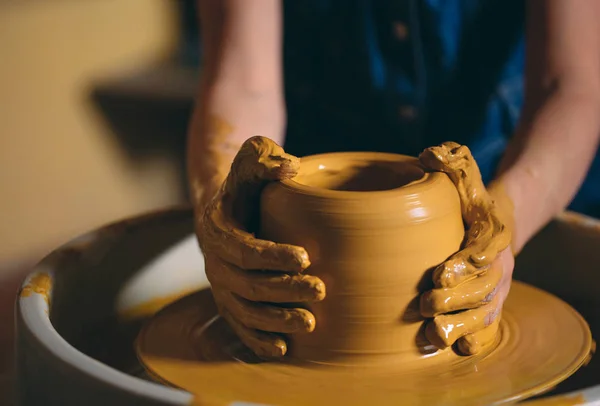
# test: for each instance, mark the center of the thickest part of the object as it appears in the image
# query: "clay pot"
(374, 226)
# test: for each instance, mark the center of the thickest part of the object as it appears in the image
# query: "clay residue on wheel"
(40, 283)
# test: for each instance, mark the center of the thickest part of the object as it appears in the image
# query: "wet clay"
(486, 233)
(236, 260)
(40, 284)
(469, 277)
(187, 345)
(373, 225)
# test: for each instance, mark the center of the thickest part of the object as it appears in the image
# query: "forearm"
(549, 157)
(222, 121)
(557, 137)
(240, 92)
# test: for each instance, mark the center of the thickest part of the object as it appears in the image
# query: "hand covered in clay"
(249, 276)
(471, 286)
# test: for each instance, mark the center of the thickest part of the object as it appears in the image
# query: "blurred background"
(94, 102)
(95, 97)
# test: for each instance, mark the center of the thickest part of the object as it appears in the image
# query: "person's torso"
(402, 75)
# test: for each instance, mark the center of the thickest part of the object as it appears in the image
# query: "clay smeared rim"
(33, 313)
(427, 181)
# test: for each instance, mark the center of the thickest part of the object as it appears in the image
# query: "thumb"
(259, 161)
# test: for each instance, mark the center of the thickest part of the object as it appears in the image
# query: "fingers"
(444, 330)
(265, 317)
(469, 295)
(259, 161)
(230, 248)
(265, 345)
(261, 286)
(472, 276)
(486, 238)
(455, 271)
(474, 329)
(233, 245)
(223, 229)
(474, 343)
(481, 249)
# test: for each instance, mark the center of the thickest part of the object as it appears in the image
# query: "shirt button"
(400, 31)
(407, 112)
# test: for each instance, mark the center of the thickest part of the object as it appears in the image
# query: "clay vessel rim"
(408, 190)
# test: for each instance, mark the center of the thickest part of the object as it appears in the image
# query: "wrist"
(505, 209)
(208, 169)
(529, 198)
(223, 119)
(229, 113)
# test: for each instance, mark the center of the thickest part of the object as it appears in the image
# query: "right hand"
(250, 276)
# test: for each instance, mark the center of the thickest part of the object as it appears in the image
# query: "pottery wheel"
(542, 341)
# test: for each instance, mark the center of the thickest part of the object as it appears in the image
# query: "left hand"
(471, 286)
(248, 298)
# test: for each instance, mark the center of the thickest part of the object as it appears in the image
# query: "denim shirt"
(402, 75)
